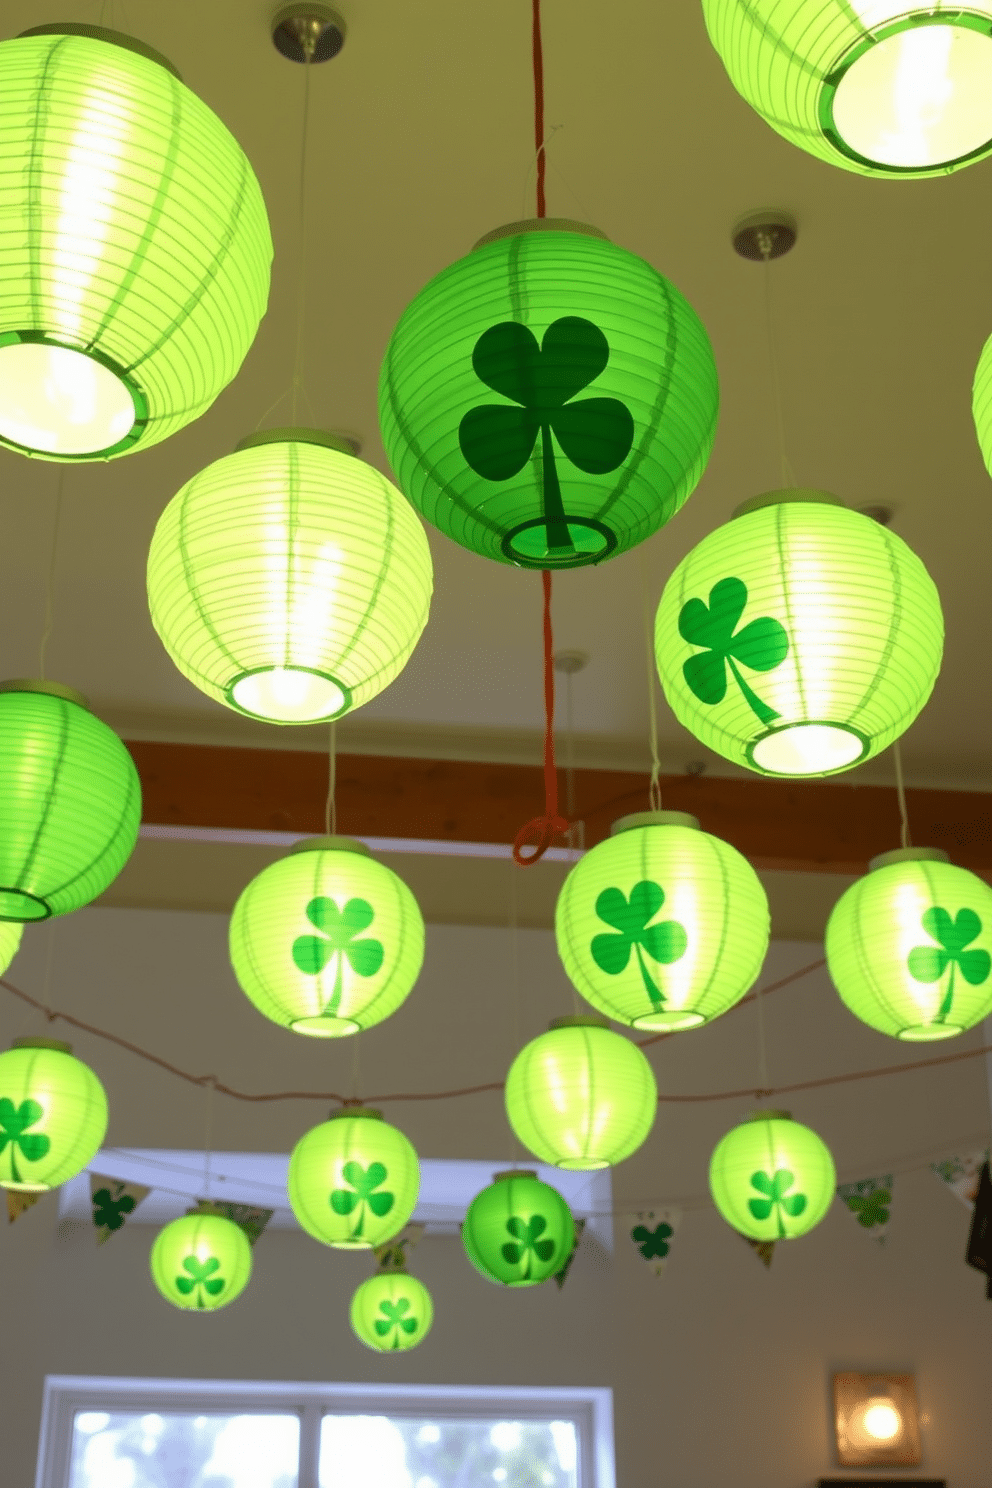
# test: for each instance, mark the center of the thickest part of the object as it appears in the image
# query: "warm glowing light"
(807, 749)
(288, 695)
(60, 401)
(881, 1420)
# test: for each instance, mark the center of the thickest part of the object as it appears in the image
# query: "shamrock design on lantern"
(527, 1242)
(928, 963)
(33, 1146)
(777, 1197)
(338, 929)
(761, 646)
(393, 1319)
(870, 1209)
(665, 942)
(595, 434)
(652, 1243)
(362, 1193)
(110, 1213)
(200, 1275)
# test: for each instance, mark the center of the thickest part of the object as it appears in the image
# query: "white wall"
(721, 1370)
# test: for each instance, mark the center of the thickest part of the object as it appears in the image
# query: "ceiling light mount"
(764, 235)
(570, 662)
(307, 32)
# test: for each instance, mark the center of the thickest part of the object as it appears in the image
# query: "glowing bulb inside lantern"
(288, 695)
(61, 401)
(808, 749)
(881, 1420)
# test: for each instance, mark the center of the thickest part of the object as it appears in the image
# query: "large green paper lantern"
(134, 252)
(880, 87)
(771, 1177)
(53, 1115)
(289, 580)
(800, 638)
(201, 1262)
(10, 941)
(662, 926)
(909, 947)
(581, 1096)
(70, 802)
(518, 1231)
(549, 400)
(391, 1312)
(354, 1180)
(327, 941)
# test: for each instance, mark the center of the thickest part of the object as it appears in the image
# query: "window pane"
(163, 1450)
(424, 1452)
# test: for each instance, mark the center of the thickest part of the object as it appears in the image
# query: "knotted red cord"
(539, 106)
(551, 824)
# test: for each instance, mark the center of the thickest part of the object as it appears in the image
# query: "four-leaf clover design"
(497, 439)
(200, 1275)
(761, 646)
(110, 1213)
(362, 1194)
(870, 1209)
(14, 1125)
(394, 1319)
(527, 1242)
(338, 929)
(654, 1242)
(928, 963)
(665, 942)
(777, 1197)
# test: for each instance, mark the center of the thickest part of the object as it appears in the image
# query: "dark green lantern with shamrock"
(354, 1180)
(53, 1115)
(201, 1262)
(909, 946)
(771, 1177)
(391, 1312)
(518, 1231)
(328, 940)
(550, 399)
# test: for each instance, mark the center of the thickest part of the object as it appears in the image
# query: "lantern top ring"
(514, 1173)
(345, 444)
(785, 497)
(908, 855)
(539, 224)
(654, 819)
(769, 1116)
(50, 689)
(579, 1020)
(330, 844)
(101, 33)
(59, 1045)
(368, 1113)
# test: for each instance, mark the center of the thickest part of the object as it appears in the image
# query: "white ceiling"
(421, 141)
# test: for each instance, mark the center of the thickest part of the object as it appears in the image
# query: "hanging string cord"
(540, 144)
(210, 1084)
(788, 477)
(50, 585)
(302, 263)
(764, 1092)
(904, 838)
(551, 824)
(331, 805)
(654, 789)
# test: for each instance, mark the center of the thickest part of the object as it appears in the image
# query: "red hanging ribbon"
(539, 105)
(551, 824)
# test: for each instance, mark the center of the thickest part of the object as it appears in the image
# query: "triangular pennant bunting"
(961, 1174)
(113, 1202)
(763, 1249)
(18, 1202)
(652, 1232)
(392, 1254)
(248, 1217)
(562, 1276)
(870, 1201)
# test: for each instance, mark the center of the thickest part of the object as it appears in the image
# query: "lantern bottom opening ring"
(581, 1164)
(65, 402)
(35, 1188)
(529, 544)
(809, 747)
(349, 1244)
(289, 694)
(19, 907)
(673, 1022)
(928, 1033)
(324, 1027)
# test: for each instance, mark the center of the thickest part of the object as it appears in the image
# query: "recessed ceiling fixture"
(391, 1312)
(353, 1181)
(136, 247)
(201, 1262)
(518, 1231)
(771, 1177)
(53, 1115)
(876, 1420)
(306, 32)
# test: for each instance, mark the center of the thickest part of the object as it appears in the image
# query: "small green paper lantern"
(70, 802)
(354, 1180)
(327, 941)
(135, 255)
(53, 1115)
(771, 1177)
(909, 947)
(800, 638)
(662, 926)
(289, 581)
(875, 86)
(391, 1312)
(10, 941)
(581, 1096)
(201, 1262)
(549, 400)
(981, 403)
(518, 1231)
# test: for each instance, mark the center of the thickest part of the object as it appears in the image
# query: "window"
(113, 1433)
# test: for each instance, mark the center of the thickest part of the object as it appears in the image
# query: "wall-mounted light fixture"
(876, 1420)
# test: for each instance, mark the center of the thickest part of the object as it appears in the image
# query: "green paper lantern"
(981, 403)
(800, 638)
(289, 581)
(201, 1262)
(875, 86)
(909, 947)
(662, 926)
(53, 1115)
(581, 1096)
(549, 400)
(10, 941)
(354, 1180)
(70, 802)
(392, 1312)
(771, 1177)
(327, 941)
(518, 1231)
(135, 252)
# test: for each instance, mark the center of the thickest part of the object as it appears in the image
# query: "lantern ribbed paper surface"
(327, 941)
(771, 1177)
(981, 403)
(876, 86)
(10, 941)
(800, 638)
(391, 1312)
(909, 947)
(550, 399)
(53, 1115)
(581, 1096)
(518, 1231)
(134, 247)
(70, 802)
(289, 580)
(201, 1262)
(662, 926)
(353, 1181)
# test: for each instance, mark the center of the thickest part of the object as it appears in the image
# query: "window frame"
(590, 1408)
